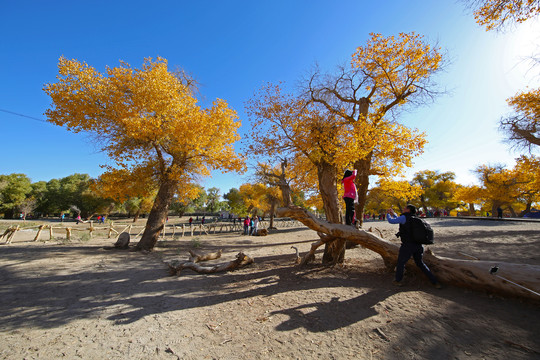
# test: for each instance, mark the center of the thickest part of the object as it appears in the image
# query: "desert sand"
(75, 300)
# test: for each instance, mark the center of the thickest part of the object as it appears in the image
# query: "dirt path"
(80, 301)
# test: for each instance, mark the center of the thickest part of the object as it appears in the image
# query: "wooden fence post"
(110, 229)
(68, 233)
(51, 234)
(10, 236)
(91, 228)
(39, 232)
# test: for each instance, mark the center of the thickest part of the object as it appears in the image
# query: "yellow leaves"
(527, 104)
(468, 194)
(400, 190)
(146, 116)
(493, 14)
(396, 66)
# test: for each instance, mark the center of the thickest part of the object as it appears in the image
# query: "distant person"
(408, 247)
(62, 217)
(499, 212)
(202, 220)
(255, 225)
(246, 225)
(350, 195)
(78, 219)
(190, 221)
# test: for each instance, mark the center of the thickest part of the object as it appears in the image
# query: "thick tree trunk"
(472, 212)
(474, 274)
(285, 193)
(494, 207)
(363, 168)
(158, 215)
(334, 252)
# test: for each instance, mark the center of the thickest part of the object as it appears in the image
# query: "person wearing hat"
(408, 247)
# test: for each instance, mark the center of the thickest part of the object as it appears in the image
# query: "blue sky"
(233, 47)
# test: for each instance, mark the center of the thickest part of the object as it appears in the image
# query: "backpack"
(421, 231)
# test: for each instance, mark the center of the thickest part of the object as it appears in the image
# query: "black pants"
(349, 210)
(415, 250)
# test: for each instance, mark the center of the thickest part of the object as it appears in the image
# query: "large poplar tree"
(148, 119)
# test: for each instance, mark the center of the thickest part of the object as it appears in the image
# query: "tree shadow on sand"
(124, 287)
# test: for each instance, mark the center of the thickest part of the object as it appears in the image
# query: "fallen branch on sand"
(176, 266)
(474, 274)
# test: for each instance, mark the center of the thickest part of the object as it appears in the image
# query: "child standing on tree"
(350, 195)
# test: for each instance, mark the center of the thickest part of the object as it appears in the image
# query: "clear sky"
(233, 47)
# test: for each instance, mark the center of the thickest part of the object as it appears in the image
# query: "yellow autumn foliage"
(148, 121)
(494, 14)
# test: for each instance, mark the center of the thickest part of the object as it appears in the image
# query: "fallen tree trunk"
(175, 267)
(474, 274)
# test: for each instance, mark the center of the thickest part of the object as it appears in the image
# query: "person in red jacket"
(350, 195)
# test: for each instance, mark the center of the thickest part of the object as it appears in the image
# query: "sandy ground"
(61, 300)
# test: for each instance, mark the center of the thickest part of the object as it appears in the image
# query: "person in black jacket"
(408, 246)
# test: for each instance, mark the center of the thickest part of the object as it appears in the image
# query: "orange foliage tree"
(287, 127)
(147, 119)
(469, 195)
(385, 74)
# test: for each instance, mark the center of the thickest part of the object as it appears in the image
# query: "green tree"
(235, 202)
(14, 189)
(437, 190)
(212, 200)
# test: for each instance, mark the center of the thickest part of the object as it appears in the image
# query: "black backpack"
(421, 231)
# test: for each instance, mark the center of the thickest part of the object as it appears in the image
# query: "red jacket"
(349, 187)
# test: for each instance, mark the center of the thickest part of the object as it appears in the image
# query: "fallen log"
(473, 274)
(194, 257)
(175, 267)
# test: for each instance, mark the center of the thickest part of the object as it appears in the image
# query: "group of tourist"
(251, 225)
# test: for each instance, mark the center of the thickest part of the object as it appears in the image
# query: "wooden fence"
(169, 231)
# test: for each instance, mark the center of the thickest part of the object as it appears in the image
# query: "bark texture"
(334, 251)
(157, 216)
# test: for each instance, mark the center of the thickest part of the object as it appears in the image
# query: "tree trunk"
(494, 207)
(527, 209)
(334, 252)
(512, 211)
(474, 274)
(363, 168)
(472, 212)
(423, 202)
(136, 217)
(272, 215)
(158, 215)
